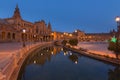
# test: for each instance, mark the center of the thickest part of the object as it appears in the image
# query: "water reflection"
(114, 74)
(73, 58)
(42, 56)
(56, 63)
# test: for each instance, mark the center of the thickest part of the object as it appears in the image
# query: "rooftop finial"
(16, 12)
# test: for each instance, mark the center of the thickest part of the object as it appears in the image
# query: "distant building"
(79, 34)
(98, 36)
(11, 29)
(82, 36)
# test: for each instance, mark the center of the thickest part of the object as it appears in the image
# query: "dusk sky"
(67, 15)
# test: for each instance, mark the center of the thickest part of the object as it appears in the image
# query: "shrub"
(73, 42)
(64, 42)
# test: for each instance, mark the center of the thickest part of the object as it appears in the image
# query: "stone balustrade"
(14, 61)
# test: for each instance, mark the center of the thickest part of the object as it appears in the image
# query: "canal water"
(56, 63)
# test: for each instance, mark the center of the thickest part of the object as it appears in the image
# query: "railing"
(14, 61)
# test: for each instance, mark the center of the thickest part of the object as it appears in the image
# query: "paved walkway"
(99, 48)
(6, 50)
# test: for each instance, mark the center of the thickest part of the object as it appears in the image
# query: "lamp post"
(24, 31)
(75, 31)
(117, 19)
(34, 38)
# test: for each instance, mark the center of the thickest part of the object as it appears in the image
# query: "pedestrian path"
(99, 48)
(7, 50)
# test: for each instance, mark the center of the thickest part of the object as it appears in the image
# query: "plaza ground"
(99, 48)
(6, 52)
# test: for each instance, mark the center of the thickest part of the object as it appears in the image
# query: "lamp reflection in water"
(61, 49)
(41, 54)
(76, 62)
(52, 53)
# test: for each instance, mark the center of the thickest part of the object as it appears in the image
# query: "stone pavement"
(6, 54)
(99, 48)
(6, 50)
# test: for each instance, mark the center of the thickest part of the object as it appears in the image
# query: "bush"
(114, 46)
(64, 42)
(73, 42)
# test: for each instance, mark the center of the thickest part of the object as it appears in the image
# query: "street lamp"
(76, 31)
(34, 38)
(117, 19)
(24, 31)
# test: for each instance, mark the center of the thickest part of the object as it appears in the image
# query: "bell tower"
(16, 14)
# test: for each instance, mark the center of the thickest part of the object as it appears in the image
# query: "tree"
(64, 42)
(114, 45)
(73, 58)
(114, 74)
(111, 46)
(73, 42)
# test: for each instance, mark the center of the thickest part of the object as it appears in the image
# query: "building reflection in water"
(73, 58)
(114, 74)
(41, 57)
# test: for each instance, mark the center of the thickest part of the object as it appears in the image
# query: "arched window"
(37, 29)
(9, 36)
(3, 35)
(13, 36)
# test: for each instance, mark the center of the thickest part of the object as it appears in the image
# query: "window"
(9, 36)
(13, 36)
(37, 29)
(3, 35)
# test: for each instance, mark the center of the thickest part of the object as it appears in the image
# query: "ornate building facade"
(11, 29)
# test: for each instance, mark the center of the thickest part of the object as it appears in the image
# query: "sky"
(90, 16)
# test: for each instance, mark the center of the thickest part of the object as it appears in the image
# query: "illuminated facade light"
(67, 34)
(34, 62)
(61, 35)
(70, 35)
(41, 54)
(52, 34)
(34, 35)
(24, 31)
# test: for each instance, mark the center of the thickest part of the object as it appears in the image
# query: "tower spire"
(17, 13)
(49, 26)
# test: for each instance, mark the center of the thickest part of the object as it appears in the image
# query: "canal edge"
(85, 53)
(15, 73)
